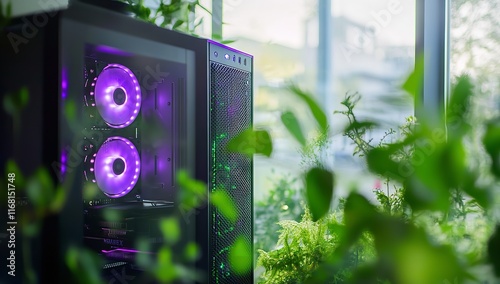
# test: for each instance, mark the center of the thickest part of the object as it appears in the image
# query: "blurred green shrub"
(282, 202)
(303, 246)
(433, 220)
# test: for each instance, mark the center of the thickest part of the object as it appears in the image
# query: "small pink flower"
(377, 185)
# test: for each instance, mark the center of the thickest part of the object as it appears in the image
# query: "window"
(474, 42)
(280, 34)
(371, 52)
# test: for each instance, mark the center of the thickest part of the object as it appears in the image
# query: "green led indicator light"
(221, 136)
(224, 250)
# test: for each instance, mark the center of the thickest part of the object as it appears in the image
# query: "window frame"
(432, 42)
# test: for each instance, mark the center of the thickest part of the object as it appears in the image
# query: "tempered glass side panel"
(130, 95)
(136, 100)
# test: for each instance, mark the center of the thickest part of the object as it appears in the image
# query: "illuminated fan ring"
(111, 78)
(112, 184)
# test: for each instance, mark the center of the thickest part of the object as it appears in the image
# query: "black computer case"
(117, 107)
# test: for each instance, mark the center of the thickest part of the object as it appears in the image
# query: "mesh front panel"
(230, 114)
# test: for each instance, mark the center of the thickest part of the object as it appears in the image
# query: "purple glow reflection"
(64, 160)
(112, 50)
(123, 250)
(117, 78)
(64, 83)
(115, 184)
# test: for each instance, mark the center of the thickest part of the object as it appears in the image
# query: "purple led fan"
(117, 95)
(116, 167)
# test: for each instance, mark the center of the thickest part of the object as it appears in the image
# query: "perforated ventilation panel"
(230, 114)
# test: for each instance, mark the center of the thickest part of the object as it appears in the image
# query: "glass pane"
(474, 42)
(276, 33)
(373, 52)
(474, 51)
(280, 34)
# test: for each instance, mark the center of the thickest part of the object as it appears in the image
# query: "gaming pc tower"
(116, 108)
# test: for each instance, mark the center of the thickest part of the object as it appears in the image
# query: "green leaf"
(414, 82)
(380, 161)
(493, 249)
(165, 256)
(193, 192)
(203, 8)
(358, 126)
(408, 254)
(405, 253)
(292, 124)
(428, 187)
(5, 15)
(251, 142)
(483, 196)
(192, 252)
(70, 110)
(90, 191)
(40, 190)
(31, 229)
(14, 103)
(170, 229)
(140, 11)
(72, 258)
(491, 142)
(58, 200)
(365, 274)
(190, 184)
(422, 197)
(453, 157)
(217, 37)
(317, 112)
(224, 204)
(437, 167)
(144, 260)
(111, 215)
(227, 41)
(384, 200)
(84, 265)
(359, 214)
(240, 256)
(459, 108)
(166, 271)
(177, 24)
(319, 191)
(13, 168)
(460, 96)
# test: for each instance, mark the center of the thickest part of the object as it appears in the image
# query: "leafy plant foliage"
(176, 15)
(433, 218)
(433, 223)
(301, 248)
(282, 202)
